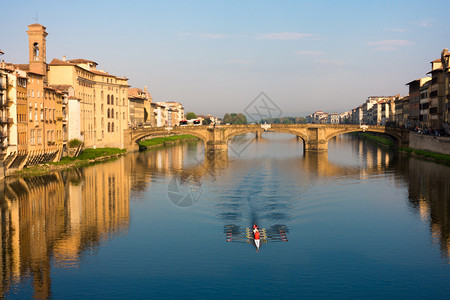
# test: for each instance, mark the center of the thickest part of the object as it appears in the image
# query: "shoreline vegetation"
(167, 140)
(421, 154)
(91, 156)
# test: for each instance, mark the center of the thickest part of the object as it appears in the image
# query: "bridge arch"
(239, 131)
(396, 135)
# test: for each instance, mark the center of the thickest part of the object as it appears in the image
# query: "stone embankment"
(430, 143)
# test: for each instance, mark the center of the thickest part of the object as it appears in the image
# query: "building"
(333, 118)
(103, 100)
(357, 115)
(436, 94)
(445, 61)
(139, 107)
(424, 105)
(414, 100)
(172, 113)
(319, 117)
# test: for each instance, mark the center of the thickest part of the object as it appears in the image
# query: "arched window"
(108, 113)
(109, 127)
(112, 127)
(112, 100)
(107, 99)
(102, 108)
(36, 51)
(112, 113)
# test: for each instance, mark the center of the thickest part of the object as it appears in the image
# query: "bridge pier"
(315, 146)
(216, 141)
(316, 140)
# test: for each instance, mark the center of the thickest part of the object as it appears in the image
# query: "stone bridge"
(315, 136)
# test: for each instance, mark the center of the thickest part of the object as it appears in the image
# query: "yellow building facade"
(103, 98)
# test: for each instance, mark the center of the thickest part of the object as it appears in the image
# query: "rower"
(256, 237)
(255, 227)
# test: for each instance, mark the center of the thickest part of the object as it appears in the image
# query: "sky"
(218, 56)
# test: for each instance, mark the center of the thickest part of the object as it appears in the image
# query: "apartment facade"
(103, 100)
(140, 111)
(445, 60)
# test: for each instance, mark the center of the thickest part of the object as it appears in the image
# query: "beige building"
(171, 113)
(103, 100)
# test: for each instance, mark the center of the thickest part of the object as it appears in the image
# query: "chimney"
(64, 58)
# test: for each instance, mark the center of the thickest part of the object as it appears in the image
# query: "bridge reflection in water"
(58, 218)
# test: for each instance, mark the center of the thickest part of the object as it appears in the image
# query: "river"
(358, 222)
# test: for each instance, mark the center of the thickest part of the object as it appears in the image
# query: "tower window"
(36, 51)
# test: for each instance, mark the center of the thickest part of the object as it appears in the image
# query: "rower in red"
(256, 236)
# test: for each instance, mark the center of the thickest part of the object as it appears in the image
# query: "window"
(36, 51)
(32, 137)
(39, 136)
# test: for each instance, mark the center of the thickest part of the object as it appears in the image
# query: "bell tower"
(37, 49)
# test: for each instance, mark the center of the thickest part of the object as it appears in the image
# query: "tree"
(234, 118)
(191, 115)
(206, 121)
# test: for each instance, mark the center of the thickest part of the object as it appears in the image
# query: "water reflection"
(57, 218)
(53, 220)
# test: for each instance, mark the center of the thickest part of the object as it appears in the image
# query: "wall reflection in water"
(428, 187)
(54, 219)
(429, 196)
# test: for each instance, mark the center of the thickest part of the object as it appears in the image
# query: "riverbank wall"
(429, 143)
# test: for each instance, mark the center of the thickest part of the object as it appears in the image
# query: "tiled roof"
(58, 62)
(101, 73)
(82, 61)
(62, 87)
(436, 70)
(23, 67)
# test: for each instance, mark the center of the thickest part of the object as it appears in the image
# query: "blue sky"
(217, 56)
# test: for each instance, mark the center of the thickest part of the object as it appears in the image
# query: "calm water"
(356, 222)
